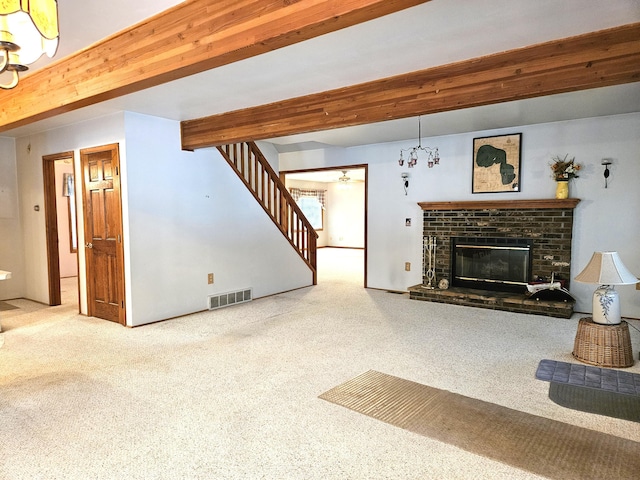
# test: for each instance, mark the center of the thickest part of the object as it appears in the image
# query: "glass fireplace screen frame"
(489, 263)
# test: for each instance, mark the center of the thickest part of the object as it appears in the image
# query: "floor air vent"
(230, 298)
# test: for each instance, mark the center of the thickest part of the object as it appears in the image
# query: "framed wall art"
(496, 163)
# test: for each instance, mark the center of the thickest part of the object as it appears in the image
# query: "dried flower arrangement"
(564, 169)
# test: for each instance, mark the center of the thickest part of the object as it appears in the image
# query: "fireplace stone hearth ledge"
(507, 301)
(548, 221)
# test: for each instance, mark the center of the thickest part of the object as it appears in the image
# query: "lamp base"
(606, 306)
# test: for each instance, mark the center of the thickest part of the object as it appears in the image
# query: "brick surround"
(548, 222)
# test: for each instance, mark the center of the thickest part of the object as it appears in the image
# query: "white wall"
(605, 219)
(346, 212)
(188, 214)
(184, 215)
(29, 152)
(11, 249)
(270, 153)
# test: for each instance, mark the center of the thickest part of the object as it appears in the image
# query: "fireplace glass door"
(494, 264)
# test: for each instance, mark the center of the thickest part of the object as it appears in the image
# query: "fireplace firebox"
(487, 263)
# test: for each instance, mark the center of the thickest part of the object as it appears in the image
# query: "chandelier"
(433, 158)
(28, 29)
(344, 179)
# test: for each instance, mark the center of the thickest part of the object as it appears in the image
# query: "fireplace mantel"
(501, 204)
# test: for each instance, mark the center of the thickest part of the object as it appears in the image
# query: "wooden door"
(103, 233)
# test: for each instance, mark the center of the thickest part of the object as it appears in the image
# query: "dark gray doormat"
(589, 377)
(592, 389)
(529, 442)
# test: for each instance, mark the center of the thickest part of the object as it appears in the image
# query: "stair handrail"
(310, 258)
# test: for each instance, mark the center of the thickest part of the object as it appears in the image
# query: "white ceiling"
(437, 32)
(329, 176)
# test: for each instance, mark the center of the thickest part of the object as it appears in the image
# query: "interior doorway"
(344, 201)
(61, 227)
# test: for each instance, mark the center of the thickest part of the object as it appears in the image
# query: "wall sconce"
(405, 182)
(27, 31)
(606, 162)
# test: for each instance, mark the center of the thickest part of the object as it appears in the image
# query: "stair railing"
(256, 173)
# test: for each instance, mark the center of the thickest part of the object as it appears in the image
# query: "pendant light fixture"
(28, 30)
(433, 157)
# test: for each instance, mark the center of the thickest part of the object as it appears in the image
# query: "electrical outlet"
(407, 266)
(210, 278)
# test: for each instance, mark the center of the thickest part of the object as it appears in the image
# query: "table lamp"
(606, 269)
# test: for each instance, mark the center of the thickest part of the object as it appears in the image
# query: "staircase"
(254, 170)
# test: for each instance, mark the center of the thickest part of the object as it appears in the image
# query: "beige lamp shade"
(606, 268)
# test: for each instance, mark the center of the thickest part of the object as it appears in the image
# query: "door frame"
(339, 168)
(51, 223)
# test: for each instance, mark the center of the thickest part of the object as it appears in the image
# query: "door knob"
(88, 245)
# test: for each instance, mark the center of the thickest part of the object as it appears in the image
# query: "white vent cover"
(230, 298)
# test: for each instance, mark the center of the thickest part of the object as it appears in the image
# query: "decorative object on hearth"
(606, 162)
(563, 170)
(496, 163)
(433, 157)
(28, 30)
(429, 246)
(607, 270)
(552, 290)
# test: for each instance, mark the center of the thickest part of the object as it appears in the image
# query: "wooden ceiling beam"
(189, 38)
(598, 59)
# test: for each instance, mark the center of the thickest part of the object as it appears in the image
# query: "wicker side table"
(603, 345)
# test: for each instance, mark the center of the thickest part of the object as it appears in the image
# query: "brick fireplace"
(547, 223)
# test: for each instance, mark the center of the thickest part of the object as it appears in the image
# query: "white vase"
(606, 306)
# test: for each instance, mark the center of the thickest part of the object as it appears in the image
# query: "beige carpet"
(529, 442)
(233, 393)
